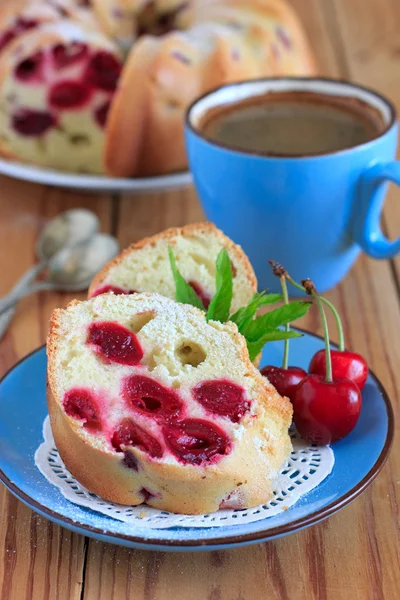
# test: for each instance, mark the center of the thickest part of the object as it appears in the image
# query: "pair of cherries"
(326, 401)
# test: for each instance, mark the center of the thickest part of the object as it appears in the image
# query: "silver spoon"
(70, 228)
(71, 269)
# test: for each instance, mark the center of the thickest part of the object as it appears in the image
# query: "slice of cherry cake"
(145, 266)
(151, 404)
(19, 17)
(56, 85)
(22, 16)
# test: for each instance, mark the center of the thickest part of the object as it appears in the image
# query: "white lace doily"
(306, 468)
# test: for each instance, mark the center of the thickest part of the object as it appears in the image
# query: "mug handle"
(368, 230)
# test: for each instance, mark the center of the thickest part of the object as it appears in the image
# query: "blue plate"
(358, 459)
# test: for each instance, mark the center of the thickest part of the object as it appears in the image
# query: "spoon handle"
(5, 320)
(26, 279)
(15, 296)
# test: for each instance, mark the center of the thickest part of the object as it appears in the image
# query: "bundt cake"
(175, 51)
(151, 404)
(145, 266)
(173, 71)
(222, 41)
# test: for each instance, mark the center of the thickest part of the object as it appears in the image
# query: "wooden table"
(355, 554)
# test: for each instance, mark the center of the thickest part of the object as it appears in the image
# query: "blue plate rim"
(233, 540)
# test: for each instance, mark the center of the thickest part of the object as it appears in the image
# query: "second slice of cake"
(145, 267)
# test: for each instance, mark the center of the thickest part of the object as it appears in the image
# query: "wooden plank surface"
(356, 553)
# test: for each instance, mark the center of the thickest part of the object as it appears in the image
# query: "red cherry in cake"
(196, 441)
(80, 403)
(32, 122)
(19, 27)
(65, 55)
(69, 95)
(22, 25)
(130, 461)
(115, 343)
(129, 433)
(284, 38)
(6, 38)
(101, 114)
(29, 70)
(106, 289)
(285, 381)
(151, 398)
(147, 494)
(205, 299)
(222, 397)
(103, 71)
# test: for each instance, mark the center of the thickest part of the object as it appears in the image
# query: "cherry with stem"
(286, 378)
(344, 363)
(326, 407)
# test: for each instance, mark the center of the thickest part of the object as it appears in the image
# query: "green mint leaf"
(184, 292)
(255, 348)
(254, 330)
(245, 315)
(220, 305)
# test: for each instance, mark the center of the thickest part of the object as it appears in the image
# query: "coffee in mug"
(293, 124)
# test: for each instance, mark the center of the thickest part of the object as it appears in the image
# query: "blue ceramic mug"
(313, 213)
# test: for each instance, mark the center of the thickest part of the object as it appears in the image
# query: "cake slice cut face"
(151, 404)
(145, 266)
(56, 86)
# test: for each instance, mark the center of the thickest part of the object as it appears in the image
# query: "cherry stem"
(326, 337)
(338, 322)
(333, 309)
(294, 283)
(310, 289)
(287, 326)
